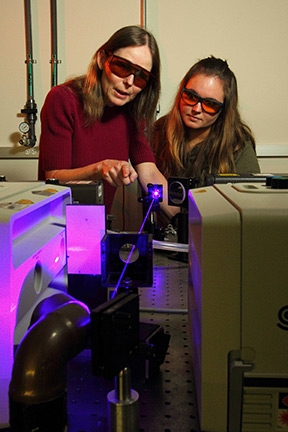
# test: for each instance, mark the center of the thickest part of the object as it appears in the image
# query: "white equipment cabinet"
(33, 263)
(238, 306)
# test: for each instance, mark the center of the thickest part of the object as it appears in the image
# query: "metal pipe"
(143, 20)
(49, 304)
(37, 391)
(54, 44)
(28, 127)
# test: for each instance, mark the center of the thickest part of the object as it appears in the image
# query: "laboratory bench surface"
(167, 401)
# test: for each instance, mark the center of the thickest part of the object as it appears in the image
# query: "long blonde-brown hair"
(227, 136)
(89, 89)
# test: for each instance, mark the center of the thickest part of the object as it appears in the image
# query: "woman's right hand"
(116, 172)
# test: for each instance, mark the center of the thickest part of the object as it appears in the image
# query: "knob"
(279, 182)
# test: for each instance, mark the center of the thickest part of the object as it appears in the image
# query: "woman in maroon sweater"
(97, 126)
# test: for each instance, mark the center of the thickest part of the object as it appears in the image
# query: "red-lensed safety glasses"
(210, 106)
(124, 68)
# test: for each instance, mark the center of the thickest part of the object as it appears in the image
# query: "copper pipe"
(143, 13)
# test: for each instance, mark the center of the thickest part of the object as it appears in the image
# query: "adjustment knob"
(279, 182)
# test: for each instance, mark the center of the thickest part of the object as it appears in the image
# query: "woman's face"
(194, 117)
(119, 91)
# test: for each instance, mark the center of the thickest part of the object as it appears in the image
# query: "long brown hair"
(89, 88)
(227, 136)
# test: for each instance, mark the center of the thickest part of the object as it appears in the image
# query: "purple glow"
(156, 194)
(155, 191)
(32, 250)
(85, 230)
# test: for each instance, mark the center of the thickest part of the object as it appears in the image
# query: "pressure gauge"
(24, 127)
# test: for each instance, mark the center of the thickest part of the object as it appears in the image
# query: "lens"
(120, 68)
(129, 253)
(123, 68)
(177, 193)
(208, 105)
(189, 98)
(141, 78)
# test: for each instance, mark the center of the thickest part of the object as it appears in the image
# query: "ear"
(101, 58)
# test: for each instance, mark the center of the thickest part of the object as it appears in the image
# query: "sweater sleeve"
(57, 125)
(247, 161)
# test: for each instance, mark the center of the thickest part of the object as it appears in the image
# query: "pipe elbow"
(39, 370)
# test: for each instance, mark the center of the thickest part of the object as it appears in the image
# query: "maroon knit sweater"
(65, 143)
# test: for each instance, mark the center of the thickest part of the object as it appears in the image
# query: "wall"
(82, 27)
(251, 35)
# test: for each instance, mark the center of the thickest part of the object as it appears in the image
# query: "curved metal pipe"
(49, 304)
(37, 390)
